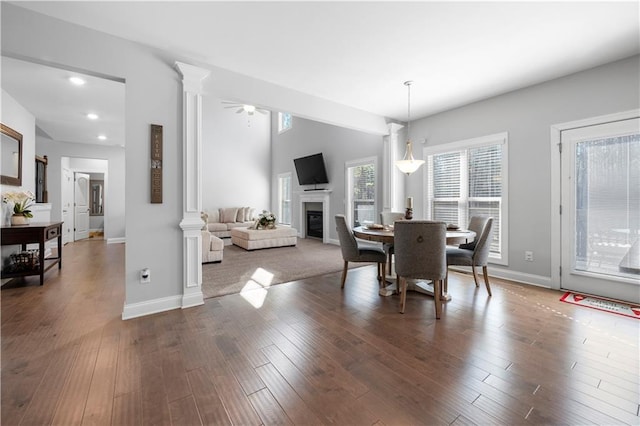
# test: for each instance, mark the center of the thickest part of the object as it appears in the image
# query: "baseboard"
(135, 310)
(519, 277)
(116, 240)
(191, 300)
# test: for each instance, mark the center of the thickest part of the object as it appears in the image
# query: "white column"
(191, 223)
(391, 191)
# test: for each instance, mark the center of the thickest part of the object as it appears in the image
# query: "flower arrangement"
(22, 201)
(266, 220)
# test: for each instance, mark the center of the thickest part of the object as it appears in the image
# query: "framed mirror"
(97, 198)
(11, 156)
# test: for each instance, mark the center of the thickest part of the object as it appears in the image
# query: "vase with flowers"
(266, 220)
(22, 202)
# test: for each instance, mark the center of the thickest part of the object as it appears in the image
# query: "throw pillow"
(247, 214)
(214, 216)
(240, 215)
(228, 215)
(252, 214)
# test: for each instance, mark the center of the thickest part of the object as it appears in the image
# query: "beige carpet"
(309, 258)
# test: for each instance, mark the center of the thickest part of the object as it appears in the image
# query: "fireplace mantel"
(317, 196)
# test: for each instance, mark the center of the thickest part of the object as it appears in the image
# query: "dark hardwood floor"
(308, 353)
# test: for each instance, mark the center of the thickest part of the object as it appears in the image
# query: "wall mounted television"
(311, 170)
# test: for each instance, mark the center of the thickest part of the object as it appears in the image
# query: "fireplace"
(315, 201)
(314, 224)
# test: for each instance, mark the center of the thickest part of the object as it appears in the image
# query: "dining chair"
(389, 218)
(474, 255)
(420, 251)
(352, 252)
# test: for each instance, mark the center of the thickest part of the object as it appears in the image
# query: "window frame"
(281, 123)
(349, 213)
(494, 139)
(282, 176)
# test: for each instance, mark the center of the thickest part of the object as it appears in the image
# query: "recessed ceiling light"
(92, 116)
(102, 137)
(77, 81)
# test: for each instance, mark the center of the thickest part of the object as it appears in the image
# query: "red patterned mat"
(606, 305)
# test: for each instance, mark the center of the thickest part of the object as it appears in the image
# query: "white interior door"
(81, 200)
(600, 196)
(67, 205)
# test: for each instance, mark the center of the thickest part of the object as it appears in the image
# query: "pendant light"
(408, 164)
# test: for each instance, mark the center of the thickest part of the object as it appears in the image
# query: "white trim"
(390, 173)
(148, 307)
(555, 139)
(506, 274)
(191, 222)
(192, 300)
(317, 196)
(119, 240)
(496, 138)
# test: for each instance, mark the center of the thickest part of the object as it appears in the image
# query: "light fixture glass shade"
(409, 164)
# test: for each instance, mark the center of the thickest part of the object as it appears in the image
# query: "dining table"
(385, 235)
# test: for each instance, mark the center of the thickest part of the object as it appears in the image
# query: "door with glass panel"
(600, 199)
(361, 192)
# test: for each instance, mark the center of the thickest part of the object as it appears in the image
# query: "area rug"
(309, 258)
(615, 307)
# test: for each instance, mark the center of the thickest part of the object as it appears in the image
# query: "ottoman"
(252, 239)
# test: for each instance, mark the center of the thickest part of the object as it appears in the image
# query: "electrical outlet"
(145, 275)
(528, 256)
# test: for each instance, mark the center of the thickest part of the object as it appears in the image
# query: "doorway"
(599, 214)
(84, 208)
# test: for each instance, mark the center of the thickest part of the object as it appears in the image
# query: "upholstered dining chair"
(389, 218)
(351, 252)
(420, 251)
(475, 254)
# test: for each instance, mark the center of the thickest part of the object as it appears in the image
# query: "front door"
(81, 199)
(600, 198)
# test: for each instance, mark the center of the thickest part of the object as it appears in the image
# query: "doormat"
(606, 305)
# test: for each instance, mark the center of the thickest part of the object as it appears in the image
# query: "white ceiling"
(360, 53)
(61, 108)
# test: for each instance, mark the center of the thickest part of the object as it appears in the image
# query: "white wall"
(527, 116)
(236, 157)
(88, 158)
(153, 96)
(22, 121)
(337, 144)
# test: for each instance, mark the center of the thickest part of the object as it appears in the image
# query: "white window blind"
(465, 179)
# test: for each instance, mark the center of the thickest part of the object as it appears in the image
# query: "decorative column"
(191, 223)
(390, 174)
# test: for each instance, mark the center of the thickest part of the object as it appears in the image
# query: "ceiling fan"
(249, 109)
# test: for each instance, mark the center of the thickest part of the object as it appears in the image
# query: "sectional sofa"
(220, 222)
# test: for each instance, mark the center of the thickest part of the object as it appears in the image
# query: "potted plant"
(266, 220)
(22, 201)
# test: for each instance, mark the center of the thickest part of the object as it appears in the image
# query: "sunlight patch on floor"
(255, 290)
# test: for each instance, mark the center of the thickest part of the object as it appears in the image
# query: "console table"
(34, 233)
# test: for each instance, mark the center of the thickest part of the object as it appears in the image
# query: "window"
(469, 178)
(361, 191)
(284, 122)
(284, 198)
